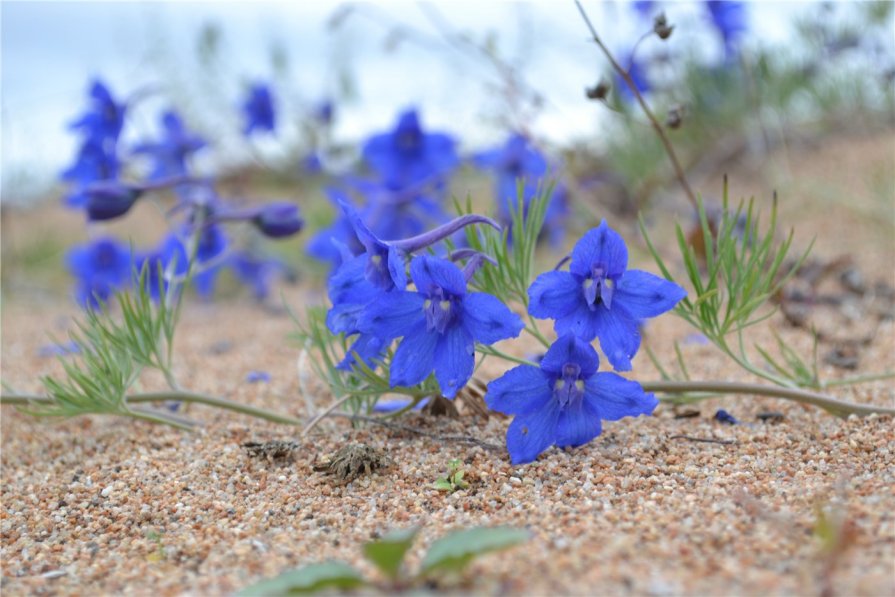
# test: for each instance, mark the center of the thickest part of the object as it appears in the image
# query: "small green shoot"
(454, 480)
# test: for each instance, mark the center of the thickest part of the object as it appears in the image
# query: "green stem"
(831, 405)
(493, 352)
(260, 413)
(857, 379)
(159, 417)
(534, 331)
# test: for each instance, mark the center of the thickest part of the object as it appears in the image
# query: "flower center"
(598, 289)
(568, 387)
(377, 271)
(439, 311)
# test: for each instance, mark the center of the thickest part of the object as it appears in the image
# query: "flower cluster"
(198, 246)
(563, 401)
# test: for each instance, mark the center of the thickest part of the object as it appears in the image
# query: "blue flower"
(600, 298)
(407, 155)
(324, 112)
(563, 400)
(257, 376)
(103, 121)
(519, 159)
(100, 267)
(440, 323)
(278, 219)
(638, 73)
(730, 20)
(256, 272)
(171, 152)
(93, 163)
(258, 110)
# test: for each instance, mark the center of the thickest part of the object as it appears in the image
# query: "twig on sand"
(463, 439)
(704, 440)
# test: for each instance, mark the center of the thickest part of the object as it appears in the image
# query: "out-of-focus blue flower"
(600, 298)
(171, 153)
(563, 401)
(100, 268)
(109, 199)
(644, 8)
(390, 406)
(407, 155)
(59, 350)
(725, 417)
(257, 376)
(399, 212)
(258, 110)
(440, 323)
(278, 219)
(519, 160)
(731, 21)
(256, 272)
(638, 73)
(103, 120)
(212, 243)
(324, 112)
(93, 163)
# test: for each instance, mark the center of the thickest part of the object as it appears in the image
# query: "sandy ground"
(105, 506)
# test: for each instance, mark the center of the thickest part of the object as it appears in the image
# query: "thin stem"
(534, 331)
(848, 381)
(397, 426)
(836, 407)
(493, 352)
(678, 170)
(260, 413)
(323, 414)
(160, 417)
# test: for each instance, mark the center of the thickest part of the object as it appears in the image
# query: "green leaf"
(443, 485)
(456, 550)
(333, 574)
(388, 552)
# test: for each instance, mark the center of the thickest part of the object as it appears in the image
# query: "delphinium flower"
(104, 119)
(398, 212)
(516, 160)
(100, 268)
(171, 153)
(439, 323)
(731, 21)
(600, 298)
(638, 72)
(258, 110)
(99, 128)
(408, 155)
(256, 271)
(562, 401)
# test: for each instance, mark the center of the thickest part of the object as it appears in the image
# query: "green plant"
(454, 480)
(449, 555)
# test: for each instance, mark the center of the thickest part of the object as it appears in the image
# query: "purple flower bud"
(110, 199)
(279, 220)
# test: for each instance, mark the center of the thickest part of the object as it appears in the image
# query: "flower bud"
(109, 199)
(661, 26)
(675, 116)
(598, 91)
(278, 220)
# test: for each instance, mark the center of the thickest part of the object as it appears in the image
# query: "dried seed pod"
(351, 461)
(661, 26)
(598, 91)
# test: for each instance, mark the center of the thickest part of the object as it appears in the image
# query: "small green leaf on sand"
(388, 552)
(316, 577)
(453, 552)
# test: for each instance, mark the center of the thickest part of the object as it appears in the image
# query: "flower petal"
(582, 322)
(569, 348)
(615, 397)
(488, 320)
(532, 433)
(519, 391)
(397, 268)
(454, 360)
(578, 423)
(646, 295)
(415, 357)
(343, 318)
(348, 284)
(619, 336)
(554, 295)
(368, 347)
(393, 314)
(429, 273)
(600, 247)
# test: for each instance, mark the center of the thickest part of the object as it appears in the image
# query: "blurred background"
(733, 84)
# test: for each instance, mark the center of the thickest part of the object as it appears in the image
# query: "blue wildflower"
(256, 272)
(408, 155)
(171, 153)
(212, 244)
(440, 323)
(730, 20)
(644, 8)
(563, 400)
(103, 121)
(600, 298)
(399, 212)
(519, 160)
(101, 267)
(257, 376)
(278, 219)
(638, 73)
(324, 112)
(62, 349)
(258, 110)
(93, 163)
(723, 416)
